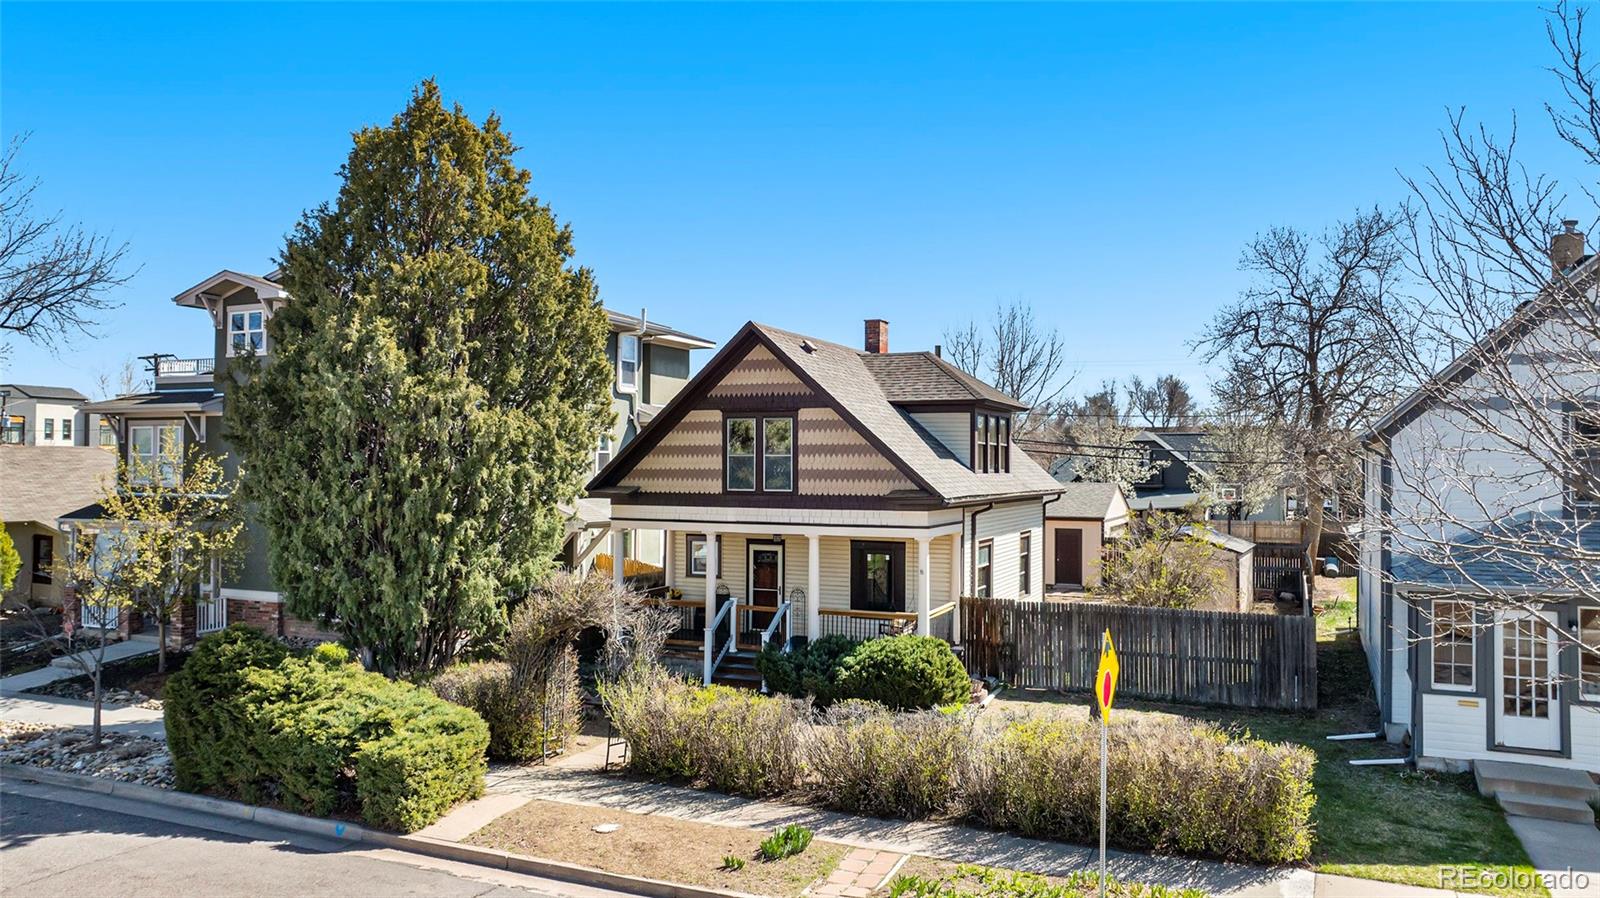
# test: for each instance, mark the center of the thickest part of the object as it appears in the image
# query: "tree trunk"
(99, 692)
(161, 644)
(1313, 535)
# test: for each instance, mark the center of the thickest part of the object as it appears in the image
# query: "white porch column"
(616, 556)
(814, 586)
(711, 599)
(955, 587)
(924, 589)
(668, 580)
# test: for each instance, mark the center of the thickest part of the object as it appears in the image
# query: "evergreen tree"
(436, 385)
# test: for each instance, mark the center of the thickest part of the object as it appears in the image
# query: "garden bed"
(131, 682)
(131, 759)
(656, 847)
(927, 877)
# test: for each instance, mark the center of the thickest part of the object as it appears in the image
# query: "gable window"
(741, 443)
(627, 362)
(759, 454)
(246, 331)
(877, 576)
(66, 428)
(1025, 561)
(1584, 494)
(1589, 655)
(602, 452)
(985, 569)
(1452, 645)
(777, 454)
(155, 450)
(49, 428)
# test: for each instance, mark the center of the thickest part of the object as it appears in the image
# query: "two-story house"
(807, 488)
(40, 416)
(1181, 455)
(184, 410)
(1475, 604)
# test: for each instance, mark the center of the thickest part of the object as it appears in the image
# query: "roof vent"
(806, 346)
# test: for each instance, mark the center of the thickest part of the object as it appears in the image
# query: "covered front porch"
(738, 588)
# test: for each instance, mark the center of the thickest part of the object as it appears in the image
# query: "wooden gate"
(1208, 657)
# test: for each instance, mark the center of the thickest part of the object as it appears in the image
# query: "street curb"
(340, 831)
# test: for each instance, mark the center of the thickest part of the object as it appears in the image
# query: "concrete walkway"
(1566, 854)
(69, 665)
(569, 781)
(66, 712)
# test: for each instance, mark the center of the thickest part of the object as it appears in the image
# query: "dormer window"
(246, 332)
(627, 363)
(991, 444)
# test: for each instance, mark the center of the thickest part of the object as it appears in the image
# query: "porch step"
(1545, 807)
(1534, 790)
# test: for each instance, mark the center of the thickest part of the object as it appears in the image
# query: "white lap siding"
(1456, 728)
(1005, 524)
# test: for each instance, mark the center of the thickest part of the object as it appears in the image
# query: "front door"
(766, 585)
(1528, 706)
(1069, 556)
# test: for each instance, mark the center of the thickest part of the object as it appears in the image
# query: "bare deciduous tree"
(1015, 353)
(1497, 486)
(53, 277)
(1308, 348)
(1241, 465)
(1163, 402)
(1096, 433)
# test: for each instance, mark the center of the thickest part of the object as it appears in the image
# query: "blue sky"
(807, 166)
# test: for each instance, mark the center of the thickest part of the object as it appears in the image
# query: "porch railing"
(185, 367)
(712, 631)
(779, 618)
(863, 625)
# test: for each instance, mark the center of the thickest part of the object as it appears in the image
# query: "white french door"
(1528, 703)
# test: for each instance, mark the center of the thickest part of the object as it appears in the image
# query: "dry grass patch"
(922, 877)
(656, 847)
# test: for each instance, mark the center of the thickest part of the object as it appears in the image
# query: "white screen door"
(1528, 706)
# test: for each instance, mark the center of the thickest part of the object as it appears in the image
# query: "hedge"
(903, 672)
(528, 718)
(317, 734)
(1175, 787)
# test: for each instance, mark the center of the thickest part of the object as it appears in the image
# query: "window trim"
(859, 549)
(1575, 508)
(49, 428)
(637, 342)
(689, 541)
(1472, 645)
(761, 450)
(155, 427)
(1025, 563)
(42, 576)
(66, 428)
(246, 310)
(605, 446)
(982, 570)
(728, 456)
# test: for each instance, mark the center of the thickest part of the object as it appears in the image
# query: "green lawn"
(1386, 823)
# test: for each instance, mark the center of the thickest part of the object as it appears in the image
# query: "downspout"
(638, 387)
(972, 545)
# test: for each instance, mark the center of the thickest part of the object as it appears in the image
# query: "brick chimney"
(1566, 247)
(877, 335)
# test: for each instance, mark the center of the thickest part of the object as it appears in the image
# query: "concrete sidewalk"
(569, 782)
(67, 666)
(1562, 852)
(66, 712)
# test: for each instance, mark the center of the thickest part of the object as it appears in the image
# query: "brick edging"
(341, 831)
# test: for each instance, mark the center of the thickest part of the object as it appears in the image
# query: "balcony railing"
(185, 367)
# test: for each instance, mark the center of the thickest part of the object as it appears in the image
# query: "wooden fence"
(1208, 657)
(1287, 533)
(1271, 564)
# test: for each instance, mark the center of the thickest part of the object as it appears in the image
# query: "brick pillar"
(183, 625)
(70, 618)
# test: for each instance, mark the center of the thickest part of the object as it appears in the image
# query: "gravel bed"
(113, 697)
(132, 759)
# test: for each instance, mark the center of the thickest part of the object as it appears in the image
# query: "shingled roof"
(861, 385)
(42, 483)
(1530, 551)
(34, 391)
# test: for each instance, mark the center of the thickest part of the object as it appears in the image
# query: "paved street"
(49, 847)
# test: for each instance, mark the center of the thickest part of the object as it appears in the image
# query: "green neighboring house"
(185, 410)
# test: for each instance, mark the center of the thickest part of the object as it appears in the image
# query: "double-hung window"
(602, 452)
(985, 567)
(991, 443)
(66, 428)
(627, 362)
(759, 454)
(49, 428)
(247, 332)
(1453, 646)
(1025, 565)
(1584, 491)
(155, 452)
(108, 435)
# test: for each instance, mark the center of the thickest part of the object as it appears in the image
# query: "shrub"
(866, 759)
(1173, 787)
(810, 671)
(785, 841)
(905, 672)
(318, 735)
(527, 717)
(729, 739)
(991, 882)
(1162, 563)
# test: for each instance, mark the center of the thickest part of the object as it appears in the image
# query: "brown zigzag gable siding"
(760, 373)
(835, 460)
(687, 460)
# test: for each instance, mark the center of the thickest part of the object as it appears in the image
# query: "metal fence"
(1208, 657)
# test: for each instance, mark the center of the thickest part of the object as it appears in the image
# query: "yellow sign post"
(1105, 690)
